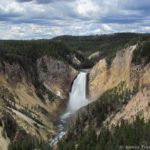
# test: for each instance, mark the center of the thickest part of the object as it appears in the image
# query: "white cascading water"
(77, 97)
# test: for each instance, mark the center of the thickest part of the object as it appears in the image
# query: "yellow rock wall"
(102, 77)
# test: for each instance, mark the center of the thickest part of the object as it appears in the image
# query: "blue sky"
(34, 19)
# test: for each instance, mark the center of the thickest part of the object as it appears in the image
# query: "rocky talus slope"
(30, 101)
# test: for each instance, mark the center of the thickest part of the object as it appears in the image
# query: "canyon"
(46, 94)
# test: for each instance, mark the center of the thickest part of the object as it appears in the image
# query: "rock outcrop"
(56, 75)
(103, 77)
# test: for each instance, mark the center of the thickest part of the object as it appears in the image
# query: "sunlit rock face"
(102, 77)
(56, 75)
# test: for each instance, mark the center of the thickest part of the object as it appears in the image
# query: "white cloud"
(29, 20)
(107, 27)
(10, 6)
(147, 28)
(86, 7)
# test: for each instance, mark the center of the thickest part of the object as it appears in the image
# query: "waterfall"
(77, 97)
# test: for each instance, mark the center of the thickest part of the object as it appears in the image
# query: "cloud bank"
(33, 19)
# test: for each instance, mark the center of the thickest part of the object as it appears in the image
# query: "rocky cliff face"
(103, 77)
(32, 98)
(55, 75)
(123, 70)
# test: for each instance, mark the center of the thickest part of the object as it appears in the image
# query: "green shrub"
(134, 134)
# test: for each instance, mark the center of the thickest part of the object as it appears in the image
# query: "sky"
(45, 19)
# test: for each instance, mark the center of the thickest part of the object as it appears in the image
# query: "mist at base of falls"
(77, 97)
